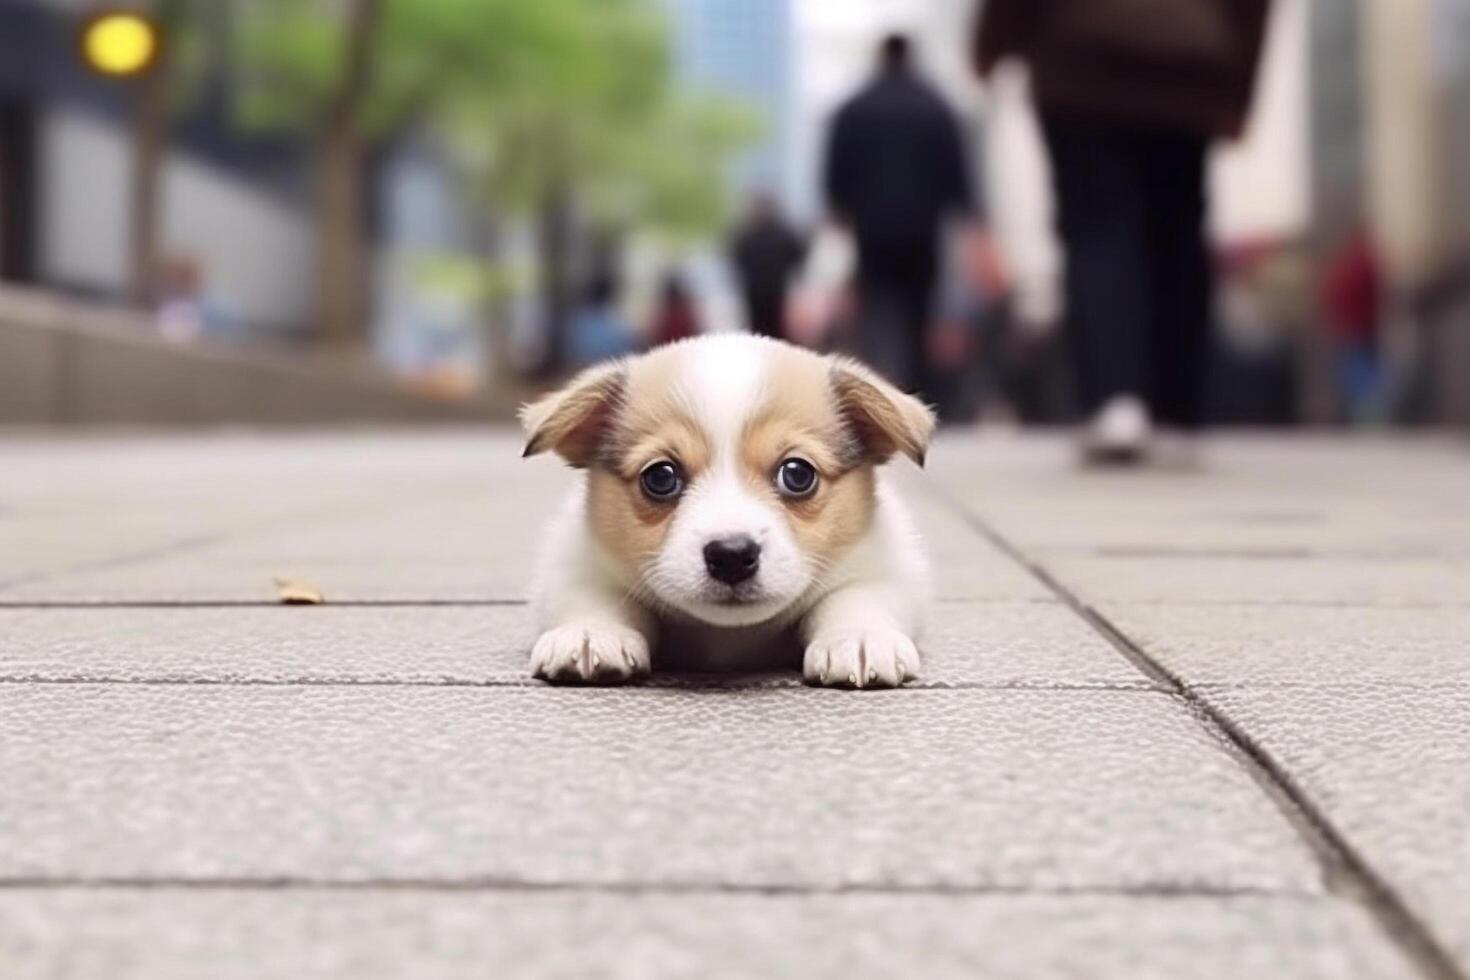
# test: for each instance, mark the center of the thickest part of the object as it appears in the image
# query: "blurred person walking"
(767, 253)
(895, 172)
(1351, 293)
(597, 329)
(1130, 94)
(180, 315)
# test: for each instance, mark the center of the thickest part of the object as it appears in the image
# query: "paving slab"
(1255, 496)
(370, 790)
(1002, 644)
(114, 536)
(1390, 767)
(182, 462)
(202, 578)
(399, 546)
(1318, 646)
(1300, 467)
(65, 504)
(38, 542)
(1410, 583)
(122, 934)
(1246, 531)
(29, 550)
(959, 789)
(986, 577)
(478, 529)
(397, 572)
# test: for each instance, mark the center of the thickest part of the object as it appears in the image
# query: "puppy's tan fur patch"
(630, 527)
(884, 419)
(574, 420)
(653, 422)
(801, 418)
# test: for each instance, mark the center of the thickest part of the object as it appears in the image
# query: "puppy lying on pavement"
(733, 506)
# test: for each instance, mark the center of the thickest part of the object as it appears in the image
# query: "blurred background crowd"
(451, 202)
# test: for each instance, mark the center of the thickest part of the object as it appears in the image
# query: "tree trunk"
(341, 251)
(555, 239)
(150, 147)
(496, 365)
(342, 246)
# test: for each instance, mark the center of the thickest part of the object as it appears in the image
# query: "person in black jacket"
(896, 171)
(1130, 94)
(767, 254)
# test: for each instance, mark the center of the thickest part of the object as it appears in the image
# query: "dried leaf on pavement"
(294, 592)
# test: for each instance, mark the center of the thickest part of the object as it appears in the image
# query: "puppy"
(733, 513)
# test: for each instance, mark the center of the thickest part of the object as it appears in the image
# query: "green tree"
(349, 74)
(311, 66)
(554, 106)
(155, 98)
(599, 129)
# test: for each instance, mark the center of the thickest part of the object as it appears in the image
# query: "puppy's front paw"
(861, 658)
(593, 654)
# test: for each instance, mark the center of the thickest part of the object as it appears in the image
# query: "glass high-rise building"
(743, 49)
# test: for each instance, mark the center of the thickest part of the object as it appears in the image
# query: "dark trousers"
(766, 313)
(894, 307)
(1138, 283)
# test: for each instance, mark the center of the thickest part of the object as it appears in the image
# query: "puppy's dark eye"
(796, 478)
(661, 481)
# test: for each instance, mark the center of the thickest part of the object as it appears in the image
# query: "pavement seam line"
(1346, 872)
(185, 603)
(296, 610)
(386, 603)
(499, 883)
(670, 682)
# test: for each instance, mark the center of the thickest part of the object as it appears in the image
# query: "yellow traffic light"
(120, 43)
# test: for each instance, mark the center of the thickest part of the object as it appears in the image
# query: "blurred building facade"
(235, 207)
(426, 308)
(66, 167)
(1416, 137)
(745, 49)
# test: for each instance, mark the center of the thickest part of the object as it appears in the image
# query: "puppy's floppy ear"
(573, 420)
(884, 419)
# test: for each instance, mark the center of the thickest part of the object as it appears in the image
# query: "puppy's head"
(726, 475)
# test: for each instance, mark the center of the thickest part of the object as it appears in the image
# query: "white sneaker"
(1118, 433)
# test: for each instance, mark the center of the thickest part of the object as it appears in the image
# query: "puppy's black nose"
(732, 560)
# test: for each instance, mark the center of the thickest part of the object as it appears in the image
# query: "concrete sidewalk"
(1208, 725)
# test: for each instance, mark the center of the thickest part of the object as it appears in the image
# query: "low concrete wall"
(64, 363)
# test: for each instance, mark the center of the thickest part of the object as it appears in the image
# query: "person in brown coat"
(1130, 94)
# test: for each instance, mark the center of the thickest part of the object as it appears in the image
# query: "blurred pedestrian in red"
(896, 171)
(180, 314)
(766, 253)
(674, 318)
(1130, 95)
(1351, 291)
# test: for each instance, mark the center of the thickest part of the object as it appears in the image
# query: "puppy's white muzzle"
(729, 558)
